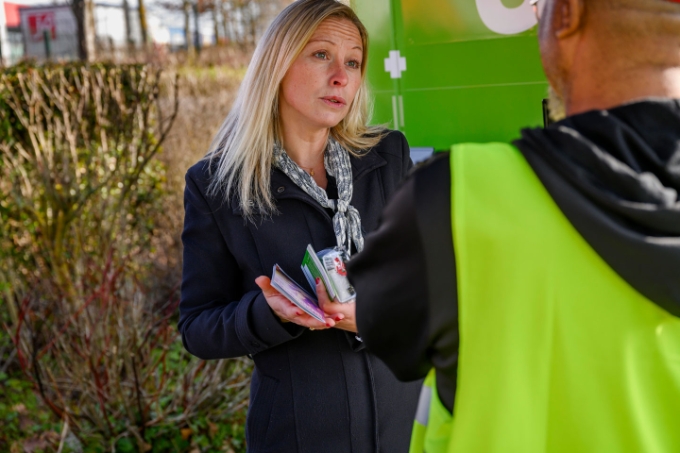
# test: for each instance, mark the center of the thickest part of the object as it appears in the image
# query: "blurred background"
(103, 107)
(117, 31)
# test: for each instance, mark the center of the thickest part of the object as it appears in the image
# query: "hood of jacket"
(615, 174)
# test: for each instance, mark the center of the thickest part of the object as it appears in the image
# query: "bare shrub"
(77, 147)
(83, 196)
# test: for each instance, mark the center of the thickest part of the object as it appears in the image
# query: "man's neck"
(599, 90)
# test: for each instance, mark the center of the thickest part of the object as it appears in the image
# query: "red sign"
(39, 23)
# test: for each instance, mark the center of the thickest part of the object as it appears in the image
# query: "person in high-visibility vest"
(539, 282)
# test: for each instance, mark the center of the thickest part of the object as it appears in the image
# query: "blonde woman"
(295, 164)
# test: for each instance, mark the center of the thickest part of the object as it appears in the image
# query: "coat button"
(280, 189)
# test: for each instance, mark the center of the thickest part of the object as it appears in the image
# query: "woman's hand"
(343, 314)
(286, 310)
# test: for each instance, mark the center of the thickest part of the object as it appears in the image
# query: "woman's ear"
(569, 17)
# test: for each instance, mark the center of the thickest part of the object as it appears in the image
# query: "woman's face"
(319, 87)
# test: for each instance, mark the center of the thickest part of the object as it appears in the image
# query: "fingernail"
(317, 280)
(340, 317)
(297, 313)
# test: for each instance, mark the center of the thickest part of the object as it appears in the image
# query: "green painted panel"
(473, 70)
(440, 21)
(378, 18)
(485, 62)
(383, 110)
(441, 117)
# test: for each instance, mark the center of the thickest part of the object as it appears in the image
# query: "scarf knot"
(346, 220)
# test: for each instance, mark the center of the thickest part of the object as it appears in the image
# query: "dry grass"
(206, 95)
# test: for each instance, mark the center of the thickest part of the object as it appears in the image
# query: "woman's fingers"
(265, 284)
(321, 293)
(332, 310)
(283, 308)
(342, 314)
(313, 323)
(288, 311)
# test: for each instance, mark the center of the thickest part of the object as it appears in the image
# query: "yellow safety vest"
(558, 354)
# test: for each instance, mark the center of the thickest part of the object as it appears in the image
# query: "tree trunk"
(225, 21)
(254, 16)
(186, 7)
(217, 5)
(83, 10)
(128, 26)
(197, 29)
(242, 25)
(90, 33)
(142, 24)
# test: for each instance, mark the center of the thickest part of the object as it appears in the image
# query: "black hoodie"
(615, 174)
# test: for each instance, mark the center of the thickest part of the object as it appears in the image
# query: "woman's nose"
(338, 73)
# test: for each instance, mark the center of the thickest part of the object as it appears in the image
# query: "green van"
(451, 71)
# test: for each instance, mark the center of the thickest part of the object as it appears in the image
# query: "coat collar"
(360, 167)
(365, 164)
(281, 187)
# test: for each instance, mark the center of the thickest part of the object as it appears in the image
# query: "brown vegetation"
(91, 181)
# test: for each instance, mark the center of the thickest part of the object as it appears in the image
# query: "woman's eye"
(354, 64)
(321, 55)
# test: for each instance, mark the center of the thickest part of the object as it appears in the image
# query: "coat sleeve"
(391, 287)
(398, 147)
(406, 306)
(217, 318)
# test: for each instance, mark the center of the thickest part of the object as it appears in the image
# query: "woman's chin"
(332, 122)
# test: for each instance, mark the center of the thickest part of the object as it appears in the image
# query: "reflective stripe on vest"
(423, 410)
(558, 354)
(432, 426)
(422, 415)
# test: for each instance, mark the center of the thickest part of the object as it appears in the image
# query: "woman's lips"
(334, 101)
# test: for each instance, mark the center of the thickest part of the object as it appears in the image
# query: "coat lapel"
(282, 187)
(365, 164)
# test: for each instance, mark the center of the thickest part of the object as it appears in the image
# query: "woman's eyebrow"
(331, 42)
(322, 40)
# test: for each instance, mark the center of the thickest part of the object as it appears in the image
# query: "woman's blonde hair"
(242, 151)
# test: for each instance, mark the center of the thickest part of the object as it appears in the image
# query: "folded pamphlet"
(296, 294)
(329, 266)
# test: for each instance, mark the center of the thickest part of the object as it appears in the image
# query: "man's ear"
(569, 17)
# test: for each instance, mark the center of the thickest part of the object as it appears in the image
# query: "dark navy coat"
(311, 391)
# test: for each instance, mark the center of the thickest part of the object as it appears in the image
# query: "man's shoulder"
(437, 166)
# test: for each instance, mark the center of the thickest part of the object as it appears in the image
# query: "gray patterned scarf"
(346, 218)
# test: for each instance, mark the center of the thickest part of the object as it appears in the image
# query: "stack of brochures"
(328, 266)
(294, 293)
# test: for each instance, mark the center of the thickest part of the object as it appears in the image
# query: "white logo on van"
(395, 64)
(503, 20)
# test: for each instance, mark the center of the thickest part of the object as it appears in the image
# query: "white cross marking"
(395, 64)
